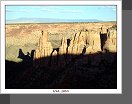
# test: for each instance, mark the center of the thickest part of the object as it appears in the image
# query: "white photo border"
(64, 91)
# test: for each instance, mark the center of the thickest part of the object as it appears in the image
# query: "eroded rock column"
(43, 51)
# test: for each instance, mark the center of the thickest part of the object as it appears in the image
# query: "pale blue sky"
(104, 13)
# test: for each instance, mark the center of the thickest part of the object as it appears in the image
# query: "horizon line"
(56, 22)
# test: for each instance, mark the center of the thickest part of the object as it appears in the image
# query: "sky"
(104, 13)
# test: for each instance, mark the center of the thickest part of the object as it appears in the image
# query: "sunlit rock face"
(86, 38)
(44, 46)
(77, 43)
(43, 50)
(84, 42)
(93, 41)
(62, 48)
(111, 42)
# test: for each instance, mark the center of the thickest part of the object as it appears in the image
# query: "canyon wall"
(81, 43)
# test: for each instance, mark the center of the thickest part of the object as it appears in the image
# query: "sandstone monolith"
(111, 42)
(93, 41)
(63, 47)
(43, 50)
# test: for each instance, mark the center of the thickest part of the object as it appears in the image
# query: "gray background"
(124, 98)
(4, 99)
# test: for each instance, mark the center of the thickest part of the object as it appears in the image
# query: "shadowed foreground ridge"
(74, 75)
(87, 60)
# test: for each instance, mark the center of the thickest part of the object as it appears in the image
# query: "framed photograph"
(61, 47)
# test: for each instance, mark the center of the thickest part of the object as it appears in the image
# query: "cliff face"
(77, 43)
(111, 42)
(83, 42)
(93, 41)
(62, 49)
(44, 49)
